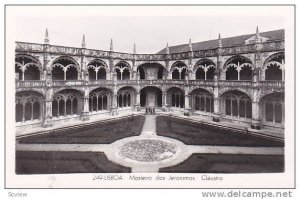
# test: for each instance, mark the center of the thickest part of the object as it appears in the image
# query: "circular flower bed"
(148, 150)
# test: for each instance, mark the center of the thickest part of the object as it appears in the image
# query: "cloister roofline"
(274, 35)
(184, 48)
(106, 51)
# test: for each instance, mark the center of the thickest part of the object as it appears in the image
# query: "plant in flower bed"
(98, 133)
(148, 150)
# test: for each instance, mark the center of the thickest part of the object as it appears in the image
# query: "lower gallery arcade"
(232, 105)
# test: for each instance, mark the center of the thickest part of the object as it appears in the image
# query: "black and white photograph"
(149, 96)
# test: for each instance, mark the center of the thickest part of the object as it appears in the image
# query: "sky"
(150, 28)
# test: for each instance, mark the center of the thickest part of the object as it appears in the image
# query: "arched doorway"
(151, 96)
(28, 106)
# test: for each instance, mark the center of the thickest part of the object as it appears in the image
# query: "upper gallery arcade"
(238, 79)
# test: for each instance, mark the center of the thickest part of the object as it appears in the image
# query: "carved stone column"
(169, 75)
(187, 108)
(46, 60)
(48, 122)
(217, 114)
(114, 108)
(255, 124)
(137, 105)
(165, 106)
(85, 112)
(256, 121)
(134, 71)
(255, 78)
(193, 75)
(48, 114)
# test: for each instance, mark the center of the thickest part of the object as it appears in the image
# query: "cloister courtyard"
(219, 107)
(148, 143)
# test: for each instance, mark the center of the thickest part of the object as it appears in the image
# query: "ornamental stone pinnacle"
(219, 41)
(134, 49)
(257, 37)
(46, 40)
(111, 48)
(190, 45)
(83, 45)
(167, 49)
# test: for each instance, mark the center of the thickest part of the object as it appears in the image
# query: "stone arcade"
(238, 79)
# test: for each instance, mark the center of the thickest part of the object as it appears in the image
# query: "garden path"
(149, 127)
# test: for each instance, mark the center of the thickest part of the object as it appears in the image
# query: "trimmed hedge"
(54, 162)
(101, 133)
(228, 163)
(202, 134)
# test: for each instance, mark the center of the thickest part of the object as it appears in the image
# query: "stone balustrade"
(100, 82)
(271, 84)
(158, 82)
(68, 83)
(236, 83)
(201, 82)
(30, 83)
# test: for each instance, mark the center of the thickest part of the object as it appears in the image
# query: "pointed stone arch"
(202, 100)
(238, 67)
(29, 106)
(179, 70)
(204, 69)
(67, 102)
(236, 104)
(65, 68)
(100, 99)
(123, 70)
(175, 97)
(97, 69)
(28, 67)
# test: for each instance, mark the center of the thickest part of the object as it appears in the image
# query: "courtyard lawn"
(228, 163)
(202, 134)
(100, 133)
(53, 162)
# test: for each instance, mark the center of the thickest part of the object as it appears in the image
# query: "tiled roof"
(226, 42)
